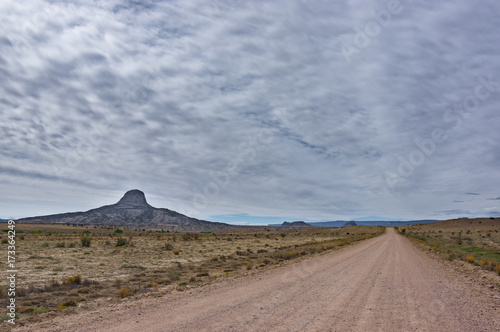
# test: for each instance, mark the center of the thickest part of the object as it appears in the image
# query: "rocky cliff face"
(132, 211)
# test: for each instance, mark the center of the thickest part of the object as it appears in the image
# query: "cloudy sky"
(252, 111)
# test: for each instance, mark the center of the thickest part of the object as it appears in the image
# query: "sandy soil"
(381, 284)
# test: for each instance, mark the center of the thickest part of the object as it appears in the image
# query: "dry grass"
(476, 241)
(52, 275)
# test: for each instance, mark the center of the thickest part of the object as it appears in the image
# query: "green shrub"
(39, 310)
(86, 241)
(118, 231)
(7, 317)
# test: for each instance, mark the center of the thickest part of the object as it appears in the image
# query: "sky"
(252, 112)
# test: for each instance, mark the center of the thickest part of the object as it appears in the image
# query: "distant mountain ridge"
(387, 223)
(132, 211)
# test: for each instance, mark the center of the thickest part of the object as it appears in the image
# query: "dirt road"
(381, 284)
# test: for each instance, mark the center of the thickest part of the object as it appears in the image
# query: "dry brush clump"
(125, 292)
(121, 242)
(190, 236)
(67, 303)
(86, 241)
(74, 280)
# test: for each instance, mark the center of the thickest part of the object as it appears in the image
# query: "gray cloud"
(249, 108)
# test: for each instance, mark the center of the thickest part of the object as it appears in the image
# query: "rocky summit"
(131, 211)
(133, 198)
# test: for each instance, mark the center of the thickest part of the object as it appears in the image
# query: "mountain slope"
(132, 211)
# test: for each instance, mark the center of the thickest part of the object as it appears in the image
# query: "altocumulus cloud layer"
(237, 109)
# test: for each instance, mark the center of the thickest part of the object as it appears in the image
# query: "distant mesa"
(349, 224)
(295, 224)
(385, 223)
(132, 211)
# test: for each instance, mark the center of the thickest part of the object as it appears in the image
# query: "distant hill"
(349, 224)
(463, 223)
(131, 211)
(295, 224)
